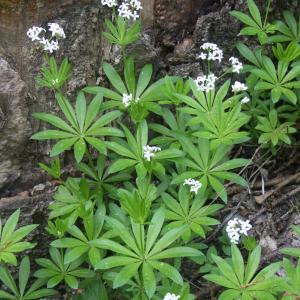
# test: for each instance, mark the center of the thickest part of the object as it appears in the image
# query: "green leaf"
(79, 149)
(253, 263)
(126, 274)
(97, 144)
(114, 261)
(149, 280)
(75, 253)
(129, 75)
(144, 79)
(62, 145)
(121, 164)
(114, 78)
(7, 279)
(167, 270)
(24, 272)
(71, 281)
(51, 135)
(10, 226)
(80, 110)
(154, 228)
(93, 110)
(254, 11)
(55, 121)
(238, 263)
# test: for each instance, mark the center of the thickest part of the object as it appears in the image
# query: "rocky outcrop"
(13, 123)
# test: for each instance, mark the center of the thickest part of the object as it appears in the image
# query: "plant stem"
(267, 13)
(123, 49)
(90, 159)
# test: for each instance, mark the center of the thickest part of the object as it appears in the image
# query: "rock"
(14, 128)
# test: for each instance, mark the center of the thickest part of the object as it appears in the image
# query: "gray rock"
(14, 127)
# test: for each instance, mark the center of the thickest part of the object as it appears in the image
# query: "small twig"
(260, 199)
(285, 197)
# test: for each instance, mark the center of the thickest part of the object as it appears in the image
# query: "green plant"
(100, 178)
(292, 280)
(132, 94)
(288, 31)
(11, 239)
(222, 127)
(83, 128)
(273, 131)
(21, 292)
(254, 23)
(133, 151)
(143, 253)
(191, 212)
(244, 282)
(53, 170)
(210, 167)
(55, 270)
(83, 242)
(137, 203)
(54, 77)
(280, 82)
(72, 200)
(122, 33)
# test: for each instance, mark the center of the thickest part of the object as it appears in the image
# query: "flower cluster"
(170, 296)
(206, 83)
(239, 87)
(194, 184)
(213, 52)
(109, 3)
(48, 45)
(129, 9)
(237, 66)
(236, 227)
(127, 99)
(149, 151)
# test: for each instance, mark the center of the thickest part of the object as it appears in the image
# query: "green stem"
(208, 66)
(123, 49)
(90, 159)
(267, 13)
(141, 238)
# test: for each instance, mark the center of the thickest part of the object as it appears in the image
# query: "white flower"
(109, 3)
(127, 99)
(44, 41)
(136, 4)
(129, 9)
(135, 15)
(202, 56)
(51, 46)
(34, 32)
(206, 83)
(55, 81)
(124, 11)
(150, 151)
(170, 296)
(245, 100)
(214, 52)
(239, 87)
(235, 228)
(237, 66)
(194, 184)
(56, 30)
